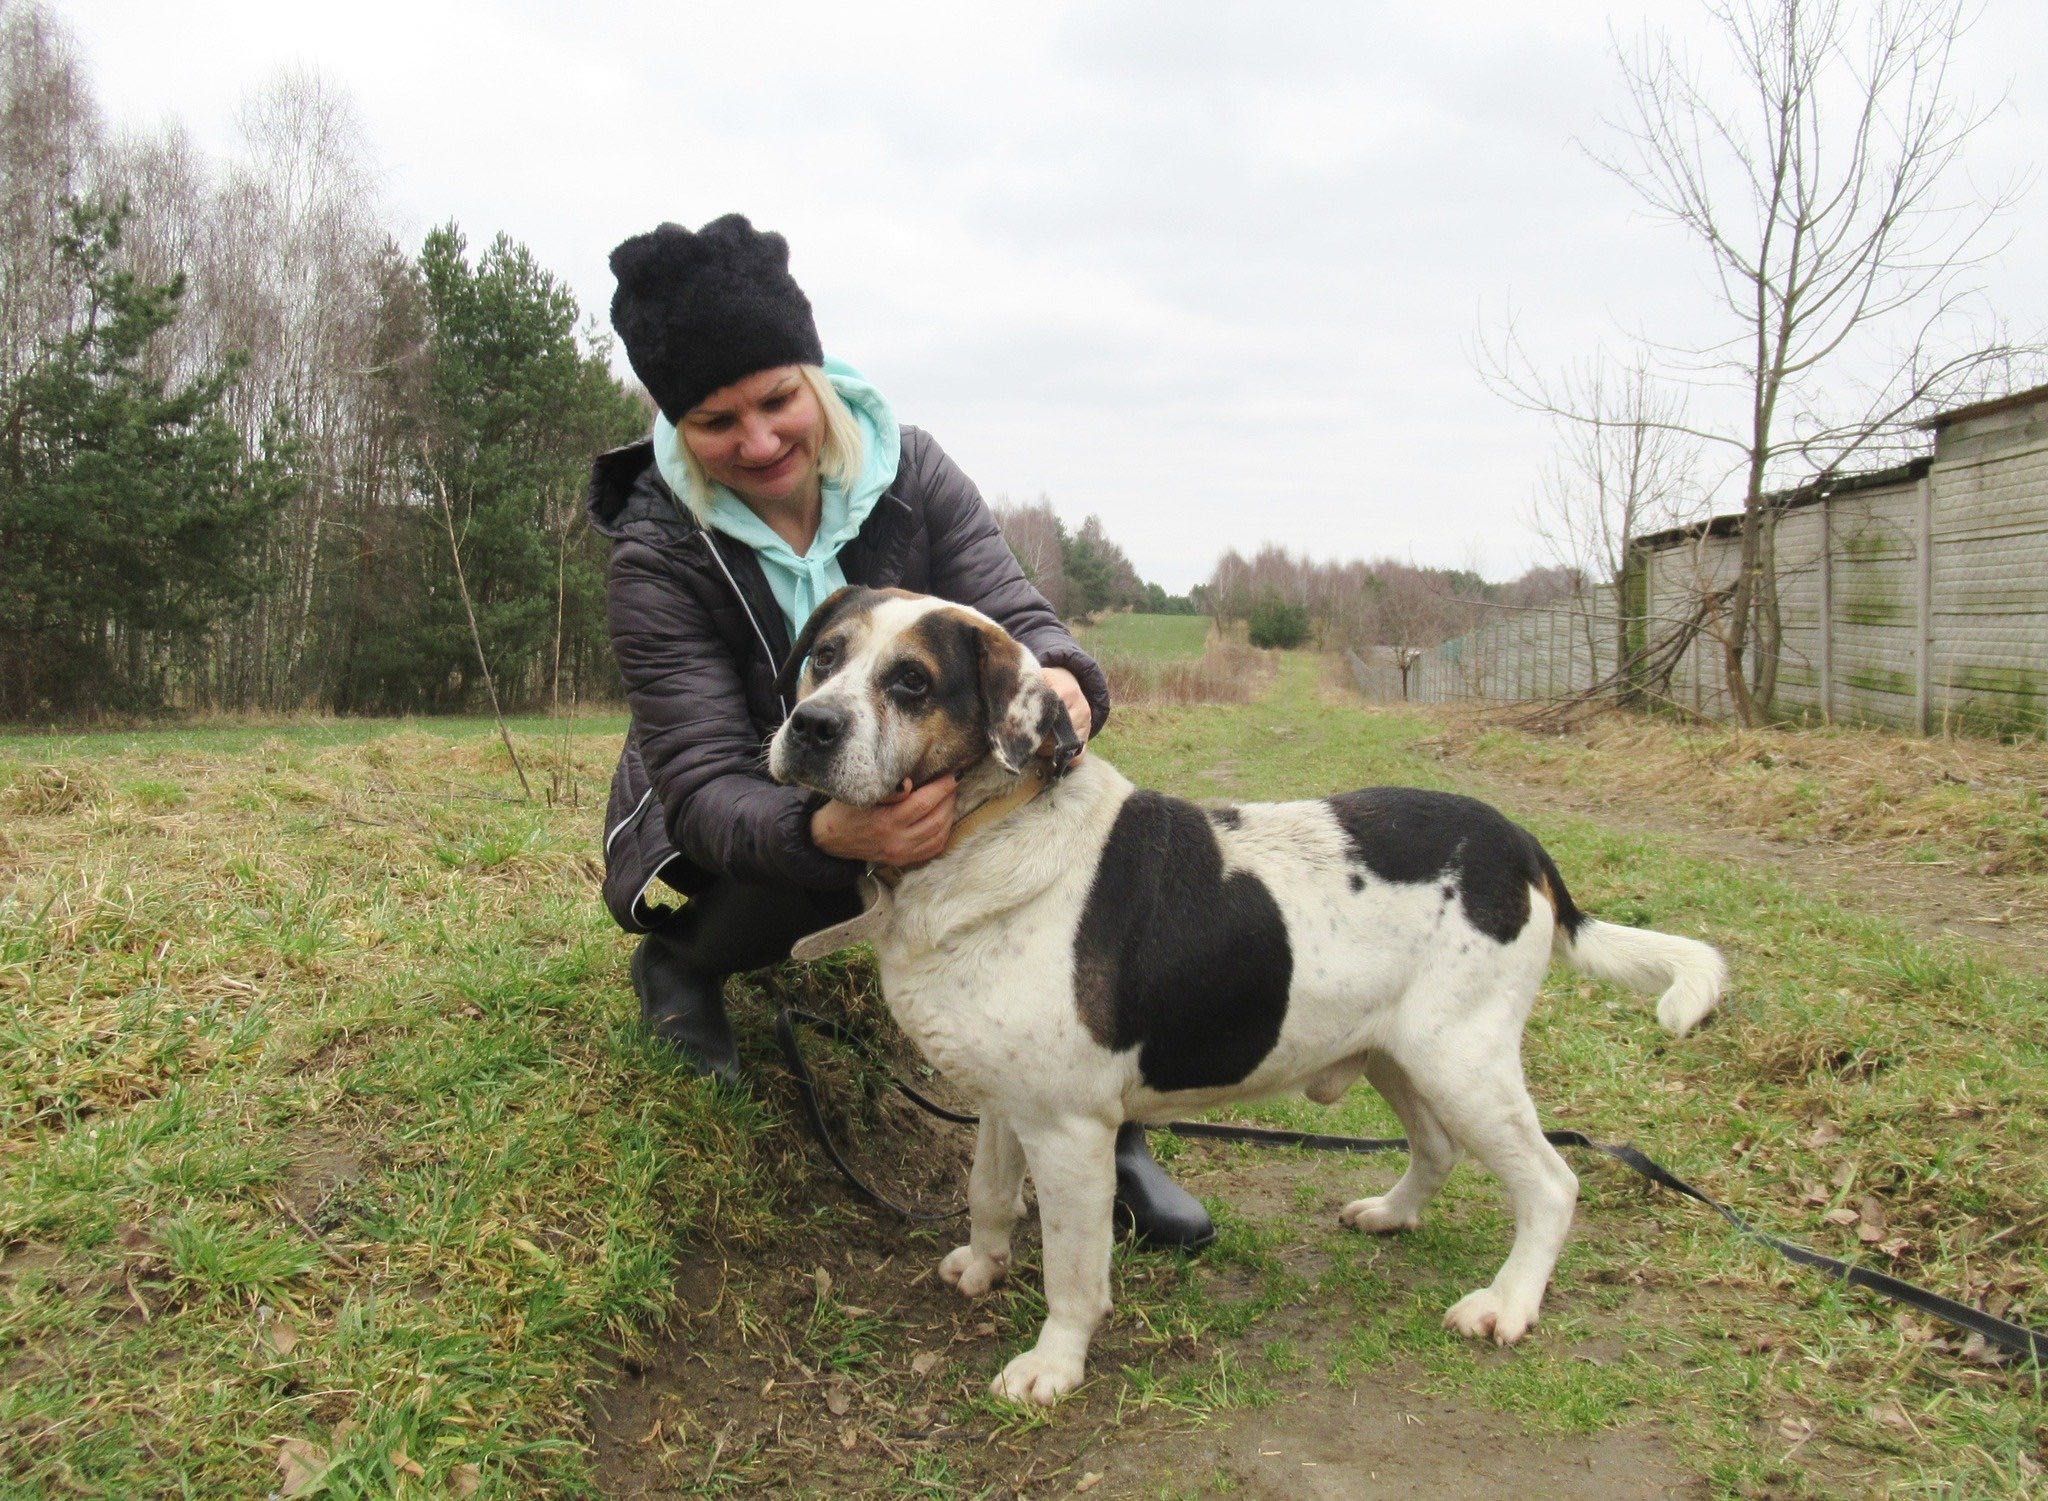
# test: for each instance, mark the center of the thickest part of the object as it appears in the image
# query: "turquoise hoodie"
(800, 581)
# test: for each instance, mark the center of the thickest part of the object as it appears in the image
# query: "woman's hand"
(909, 829)
(1068, 687)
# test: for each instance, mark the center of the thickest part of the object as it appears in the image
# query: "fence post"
(1827, 610)
(1923, 590)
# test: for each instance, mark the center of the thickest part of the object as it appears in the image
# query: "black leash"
(2027, 1343)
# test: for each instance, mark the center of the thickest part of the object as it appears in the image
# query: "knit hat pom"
(698, 311)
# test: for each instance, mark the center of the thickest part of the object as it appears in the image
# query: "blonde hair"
(841, 453)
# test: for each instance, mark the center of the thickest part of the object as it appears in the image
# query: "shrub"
(1274, 622)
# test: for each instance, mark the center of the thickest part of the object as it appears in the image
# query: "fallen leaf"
(922, 1365)
(822, 1281)
(837, 1400)
(406, 1464)
(1843, 1216)
(848, 1439)
(1845, 1175)
(1869, 1234)
(300, 1464)
(854, 1310)
(1871, 1210)
(1088, 1482)
(1981, 1351)
(1889, 1413)
(1795, 1430)
(1824, 1135)
(281, 1338)
(464, 1480)
(1913, 1331)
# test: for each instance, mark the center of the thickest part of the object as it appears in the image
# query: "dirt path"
(732, 1403)
(1927, 900)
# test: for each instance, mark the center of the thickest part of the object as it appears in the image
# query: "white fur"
(1691, 974)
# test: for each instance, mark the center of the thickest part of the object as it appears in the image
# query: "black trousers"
(734, 926)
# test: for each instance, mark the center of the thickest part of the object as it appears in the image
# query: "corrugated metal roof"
(1985, 408)
(1791, 500)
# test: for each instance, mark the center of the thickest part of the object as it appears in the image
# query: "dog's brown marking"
(841, 618)
(947, 646)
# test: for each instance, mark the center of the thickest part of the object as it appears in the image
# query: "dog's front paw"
(1038, 1376)
(1375, 1218)
(1487, 1314)
(972, 1271)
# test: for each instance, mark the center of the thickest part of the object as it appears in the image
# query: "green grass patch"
(1148, 638)
(326, 1138)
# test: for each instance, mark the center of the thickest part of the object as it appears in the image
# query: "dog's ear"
(829, 610)
(1025, 717)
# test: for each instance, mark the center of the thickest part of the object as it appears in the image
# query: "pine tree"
(131, 513)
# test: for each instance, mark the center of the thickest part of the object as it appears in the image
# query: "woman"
(772, 478)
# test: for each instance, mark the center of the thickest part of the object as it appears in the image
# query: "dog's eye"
(822, 658)
(912, 681)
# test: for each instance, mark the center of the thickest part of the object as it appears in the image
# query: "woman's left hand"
(1068, 687)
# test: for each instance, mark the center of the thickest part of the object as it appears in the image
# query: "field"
(1148, 638)
(330, 1163)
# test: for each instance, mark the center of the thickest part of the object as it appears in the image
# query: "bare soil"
(719, 1408)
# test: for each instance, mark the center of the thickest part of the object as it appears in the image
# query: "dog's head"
(898, 685)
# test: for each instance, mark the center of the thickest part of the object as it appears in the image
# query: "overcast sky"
(1215, 272)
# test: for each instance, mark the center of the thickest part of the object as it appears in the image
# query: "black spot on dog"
(1226, 818)
(1408, 836)
(1175, 959)
(1357, 881)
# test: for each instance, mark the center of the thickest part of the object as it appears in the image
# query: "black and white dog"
(1091, 953)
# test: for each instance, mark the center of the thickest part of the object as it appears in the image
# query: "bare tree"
(1626, 472)
(50, 133)
(1818, 171)
(1038, 540)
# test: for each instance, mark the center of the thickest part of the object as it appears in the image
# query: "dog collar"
(1039, 774)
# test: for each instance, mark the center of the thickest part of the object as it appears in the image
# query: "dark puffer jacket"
(700, 639)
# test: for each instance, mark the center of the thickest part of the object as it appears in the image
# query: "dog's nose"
(817, 726)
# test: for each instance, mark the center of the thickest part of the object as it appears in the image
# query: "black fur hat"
(700, 311)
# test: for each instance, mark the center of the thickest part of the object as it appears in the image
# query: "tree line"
(257, 455)
(1080, 573)
(1357, 605)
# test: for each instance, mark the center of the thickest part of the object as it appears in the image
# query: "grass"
(1971, 803)
(328, 1154)
(1175, 659)
(1148, 638)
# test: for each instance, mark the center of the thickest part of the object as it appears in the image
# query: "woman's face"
(759, 437)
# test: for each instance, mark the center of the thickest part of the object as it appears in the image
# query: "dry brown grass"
(53, 789)
(1972, 805)
(1227, 672)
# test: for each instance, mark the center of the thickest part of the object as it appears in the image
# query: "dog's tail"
(1691, 975)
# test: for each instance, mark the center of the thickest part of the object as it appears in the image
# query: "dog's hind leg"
(995, 1202)
(1431, 1156)
(1073, 1162)
(1471, 1078)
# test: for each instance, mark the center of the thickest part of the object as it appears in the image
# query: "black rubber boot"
(684, 1008)
(1160, 1213)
